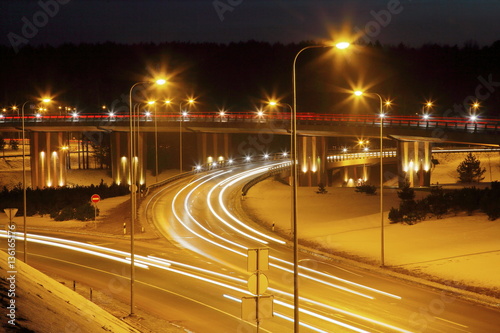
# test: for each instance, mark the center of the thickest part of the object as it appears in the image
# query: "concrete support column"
(48, 159)
(120, 158)
(355, 175)
(311, 158)
(414, 163)
(213, 147)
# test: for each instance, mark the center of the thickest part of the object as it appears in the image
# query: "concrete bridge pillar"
(311, 156)
(355, 175)
(213, 147)
(48, 158)
(414, 163)
(120, 158)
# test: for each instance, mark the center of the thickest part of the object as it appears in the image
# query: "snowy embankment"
(34, 302)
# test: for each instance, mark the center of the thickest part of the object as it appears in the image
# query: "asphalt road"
(201, 285)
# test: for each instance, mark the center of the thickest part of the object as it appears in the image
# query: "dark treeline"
(239, 76)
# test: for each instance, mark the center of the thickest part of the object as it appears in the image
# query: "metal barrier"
(215, 166)
(272, 171)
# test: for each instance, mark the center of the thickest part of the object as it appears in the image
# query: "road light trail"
(186, 208)
(230, 182)
(165, 264)
(340, 279)
(37, 239)
(239, 177)
(282, 316)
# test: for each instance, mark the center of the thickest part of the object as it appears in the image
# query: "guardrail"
(216, 166)
(272, 171)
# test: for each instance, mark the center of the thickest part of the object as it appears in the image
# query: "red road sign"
(95, 198)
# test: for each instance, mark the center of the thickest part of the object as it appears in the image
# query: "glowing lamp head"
(358, 93)
(161, 82)
(273, 103)
(151, 102)
(46, 100)
(342, 45)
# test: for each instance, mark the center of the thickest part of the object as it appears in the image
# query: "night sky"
(413, 22)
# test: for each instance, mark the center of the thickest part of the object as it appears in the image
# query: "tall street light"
(275, 104)
(133, 187)
(381, 115)
(44, 100)
(182, 114)
(342, 45)
(156, 139)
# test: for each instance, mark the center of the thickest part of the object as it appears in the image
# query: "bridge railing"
(349, 156)
(450, 123)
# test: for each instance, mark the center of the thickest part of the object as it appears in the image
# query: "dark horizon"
(240, 76)
(414, 23)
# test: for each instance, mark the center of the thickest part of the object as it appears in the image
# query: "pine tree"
(469, 170)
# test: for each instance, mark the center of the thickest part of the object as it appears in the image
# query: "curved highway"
(199, 276)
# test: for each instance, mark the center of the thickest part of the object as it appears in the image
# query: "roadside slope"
(45, 305)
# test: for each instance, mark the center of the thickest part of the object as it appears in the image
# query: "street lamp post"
(381, 115)
(25, 237)
(293, 174)
(181, 119)
(274, 103)
(156, 139)
(24, 185)
(133, 188)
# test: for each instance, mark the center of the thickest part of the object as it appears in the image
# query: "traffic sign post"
(11, 213)
(95, 198)
(258, 307)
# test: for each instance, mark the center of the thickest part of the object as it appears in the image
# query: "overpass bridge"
(213, 140)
